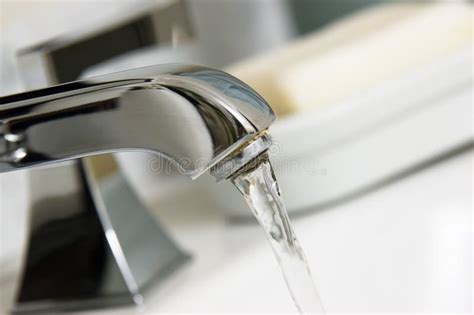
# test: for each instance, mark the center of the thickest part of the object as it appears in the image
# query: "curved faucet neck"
(192, 115)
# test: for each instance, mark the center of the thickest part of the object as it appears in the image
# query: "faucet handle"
(63, 59)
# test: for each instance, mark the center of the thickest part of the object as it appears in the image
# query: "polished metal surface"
(194, 116)
(92, 243)
(91, 246)
(68, 263)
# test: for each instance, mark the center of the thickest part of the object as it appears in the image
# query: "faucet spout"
(194, 116)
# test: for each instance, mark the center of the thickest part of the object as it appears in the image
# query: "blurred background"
(373, 145)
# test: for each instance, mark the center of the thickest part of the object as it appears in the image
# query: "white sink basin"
(404, 248)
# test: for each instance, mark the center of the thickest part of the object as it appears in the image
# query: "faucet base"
(92, 243)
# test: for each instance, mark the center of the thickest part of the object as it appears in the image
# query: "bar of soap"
(357, 53)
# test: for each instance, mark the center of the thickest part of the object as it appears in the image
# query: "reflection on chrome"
(92, 243)
(185, 113)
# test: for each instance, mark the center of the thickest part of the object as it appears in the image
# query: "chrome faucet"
(195, 116)
(91, 241)
(199, 118)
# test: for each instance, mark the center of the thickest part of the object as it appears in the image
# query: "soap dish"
(328, 155)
